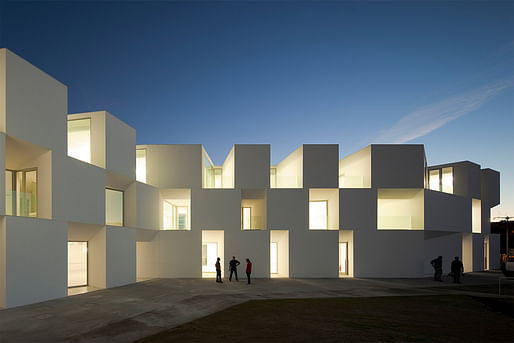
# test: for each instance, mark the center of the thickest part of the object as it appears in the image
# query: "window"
(318, 213)
(141, 165)
(274, 258)
(209, 256)
(113, 207)
(246, 218)
(476, 216)
(175, 217)
(447, 180)
(79, 139)
(21, 196)
(434, 180)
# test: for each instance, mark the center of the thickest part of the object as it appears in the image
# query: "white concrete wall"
(35, 104)
(174, 166)
(2, 169)
(290, 170)
(147, 258)
(467, 252)
(441, 243)
(253, 244)
(228, 170)
(79, 191)
(490, 187)
(447, 212)
(355, 170)
(216, 209)
(120, 147)
(97, 256)
(397, 166)
(313, 254)
(35, 260)
(120, 256)
(288, 209)
(320, 166)
(252, 163)
(180, 254)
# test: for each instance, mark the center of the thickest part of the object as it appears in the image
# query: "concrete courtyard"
(131, 312)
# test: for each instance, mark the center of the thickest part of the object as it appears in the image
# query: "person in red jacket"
(248, 269)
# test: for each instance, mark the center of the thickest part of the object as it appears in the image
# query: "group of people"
(232, 266)
(456, 268)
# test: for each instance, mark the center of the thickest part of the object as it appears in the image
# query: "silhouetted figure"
(437, 263)
(457, 268)
(248, 269)
(218, 270)
(233, 267)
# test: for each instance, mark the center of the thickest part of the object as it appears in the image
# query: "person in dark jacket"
(248, 269)
(233, 267)
(437, 263)
(457, 268)
(218, 270)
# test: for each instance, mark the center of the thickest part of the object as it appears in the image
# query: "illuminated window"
(175, 217)
(113, 207)
(434, 182)
(318, 213)
(209, 256)
(77, 264)
(400, 209)
(79, 139)
(343, 258)
(447, 180)
(246, 218)
(476, 213)
(274, 258)
(21, 197)
(141, 165)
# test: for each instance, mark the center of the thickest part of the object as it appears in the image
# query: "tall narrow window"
(273, 255)
(79, 139)
(447, 180)
(318, 215)
(182, 216)
(113, 207)
(434, 182)
(167, 215)
(9, 192)
(77, 264)
(343, 258)
(246, 218)
(209, 256)
(141, 165)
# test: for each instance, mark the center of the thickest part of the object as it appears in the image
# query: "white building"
(84, 205)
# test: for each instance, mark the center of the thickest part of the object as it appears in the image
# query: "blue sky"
(287, 73)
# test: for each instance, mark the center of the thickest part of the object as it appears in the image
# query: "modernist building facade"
(82, 204)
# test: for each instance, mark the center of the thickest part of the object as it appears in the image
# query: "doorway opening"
(212, 248)
(279, 253)
(345, 253)
(77, 264)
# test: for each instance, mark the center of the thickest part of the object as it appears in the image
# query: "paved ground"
(127, 313)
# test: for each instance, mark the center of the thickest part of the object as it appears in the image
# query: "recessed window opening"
(21, 196)
(113, 207)
(141, 165)
(79, 139)
(318, 215)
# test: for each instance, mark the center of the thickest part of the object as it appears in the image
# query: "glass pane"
(19, 198)
(434, 180)
(448, 180)
(31, 193)
(209, 252)
(273, 258)
(77, 264)
(182, 218)
(343, 253)
(141, 165)
(318, 215)
(113, 207)
(247, 215)
(8, 193)
(79, 139)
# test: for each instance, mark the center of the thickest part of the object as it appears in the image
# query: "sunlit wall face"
(113, 207)
(79, 139)
(434, 182)
(77, 264)
(318, 215)
(141, 165)
(447, 180)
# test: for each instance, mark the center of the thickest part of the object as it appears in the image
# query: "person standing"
(248, 269)
(457, 268)
(233, 267)
(218, 270)
(437, 263)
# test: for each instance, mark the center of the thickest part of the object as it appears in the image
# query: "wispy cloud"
(427, 119)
